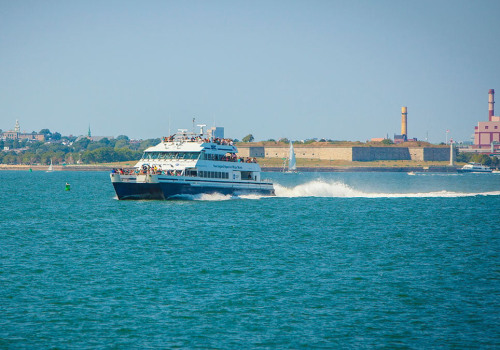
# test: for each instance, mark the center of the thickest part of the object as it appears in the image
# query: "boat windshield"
(171, 155)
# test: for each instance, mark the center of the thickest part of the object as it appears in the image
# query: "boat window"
(213, 174)
(179, 155)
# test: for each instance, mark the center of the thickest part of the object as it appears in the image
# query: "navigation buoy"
(31, 170)
(67, 188)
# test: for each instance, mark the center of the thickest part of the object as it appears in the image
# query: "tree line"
(66, 150)
(480, 158)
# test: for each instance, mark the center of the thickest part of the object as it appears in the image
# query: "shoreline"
(348, 168)
(87, 167)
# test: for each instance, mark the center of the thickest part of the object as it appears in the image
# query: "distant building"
(94, 138)
(16, 134)
(487, 134)
(217, 132)
(399, 139)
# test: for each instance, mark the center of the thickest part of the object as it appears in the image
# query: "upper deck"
(187, 149)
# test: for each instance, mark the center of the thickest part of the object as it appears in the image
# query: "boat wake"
(340, 190)
(330, 189)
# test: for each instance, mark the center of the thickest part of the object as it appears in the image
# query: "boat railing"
(198, 139)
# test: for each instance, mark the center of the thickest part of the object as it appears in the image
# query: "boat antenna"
(201, 128)
(193, 124)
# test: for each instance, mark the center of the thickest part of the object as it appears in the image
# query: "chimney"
(491, 104)
(404, 114)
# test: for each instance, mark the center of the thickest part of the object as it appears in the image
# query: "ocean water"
(335, 260)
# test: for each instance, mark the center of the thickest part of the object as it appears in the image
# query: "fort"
(349, 153)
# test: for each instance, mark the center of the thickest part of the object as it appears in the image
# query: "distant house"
(93, 138)
(399, 139)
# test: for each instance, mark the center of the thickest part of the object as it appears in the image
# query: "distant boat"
(292, 163)
(475, 168)
(50, 167)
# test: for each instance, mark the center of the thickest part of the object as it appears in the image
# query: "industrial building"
(487, 134)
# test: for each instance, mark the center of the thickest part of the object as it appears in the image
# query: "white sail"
(292, 164)
(50, 166)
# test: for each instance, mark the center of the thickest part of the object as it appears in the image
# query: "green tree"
(148, 143)
(104, 141)
(387, 142)
(88, 157)
(94, 145)
(10, 158)
(481, 158)
(104, 154)
(35, 145)
(81, 144)
(121, 144)
(248, 138)
(46, 133)
(463, 157)
(27, 158)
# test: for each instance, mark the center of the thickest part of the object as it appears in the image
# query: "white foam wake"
(338, 189)
(205, 197)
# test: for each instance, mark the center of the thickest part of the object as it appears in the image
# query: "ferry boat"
(187, 163)
(475, 168)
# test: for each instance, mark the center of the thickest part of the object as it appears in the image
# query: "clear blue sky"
(295, 69)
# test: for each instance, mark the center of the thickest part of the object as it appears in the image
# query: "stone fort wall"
(360, 154)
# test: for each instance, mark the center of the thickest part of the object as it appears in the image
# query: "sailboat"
(50, 166)
(292, 163)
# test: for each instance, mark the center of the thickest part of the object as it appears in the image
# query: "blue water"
(336, 260)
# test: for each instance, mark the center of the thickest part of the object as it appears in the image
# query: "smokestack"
(491, 104)
(404, 114)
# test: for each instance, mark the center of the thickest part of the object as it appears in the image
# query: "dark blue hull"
(170, 190)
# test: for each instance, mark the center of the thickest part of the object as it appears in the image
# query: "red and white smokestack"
(491, 104)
